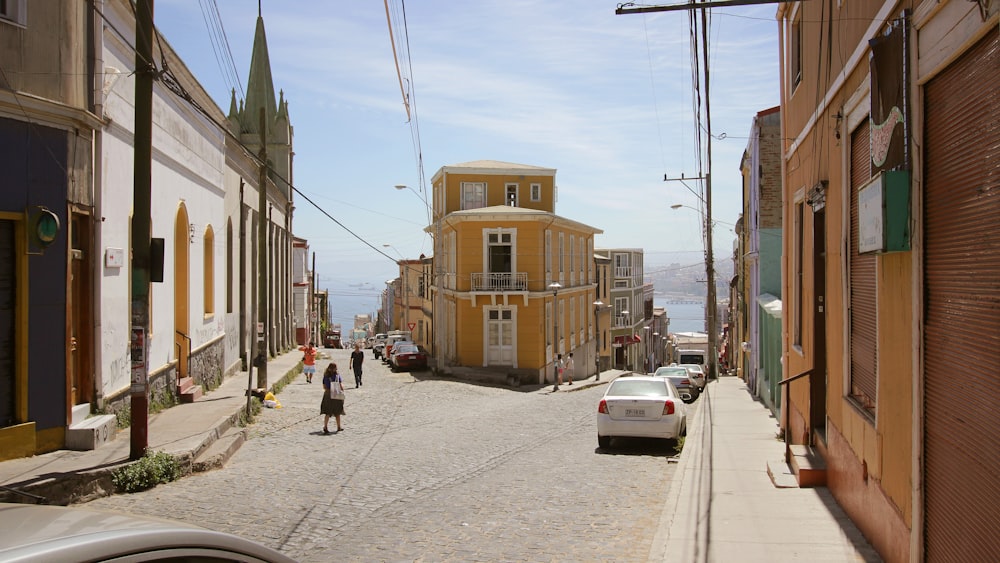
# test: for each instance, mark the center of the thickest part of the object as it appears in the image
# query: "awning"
(626, 340)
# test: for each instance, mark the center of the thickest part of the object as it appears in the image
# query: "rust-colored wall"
(864, 501)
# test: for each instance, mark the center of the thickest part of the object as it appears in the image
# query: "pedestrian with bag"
(559, 369)
(568, 368)
(308, 361)
(333, 397)
(357, 357)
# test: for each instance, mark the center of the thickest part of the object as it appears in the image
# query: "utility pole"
(141, 228)
(262, 251)
(713, 333)
(710, 305)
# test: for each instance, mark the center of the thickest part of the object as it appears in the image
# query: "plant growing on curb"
(680, 444)
(149, 471)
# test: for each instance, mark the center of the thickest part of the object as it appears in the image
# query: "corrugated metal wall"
(962, 308)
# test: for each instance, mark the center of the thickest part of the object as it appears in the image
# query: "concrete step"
(92, 433)
(808, 465)
(187, 391)
(781, 474)
(80, 413)
(218, 453)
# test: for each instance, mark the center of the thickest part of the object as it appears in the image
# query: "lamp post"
(597, 341)
(436, 305)
(645, 359)
(555, 287)
(656, 350)
(625, 315)
(404, 272)
(710, 306)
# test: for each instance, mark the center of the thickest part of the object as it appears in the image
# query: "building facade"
(517, 282)
(68, 116)
(632, 308)
(891, 212)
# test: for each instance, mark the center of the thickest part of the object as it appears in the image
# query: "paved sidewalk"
(723, 506)
(184, 431)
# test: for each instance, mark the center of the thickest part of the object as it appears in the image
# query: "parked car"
(391, 348)
(408, 357)
(685, 386)
(30, 532)
(697, 374)
(640, 406)
(378, 344)
(390, 340)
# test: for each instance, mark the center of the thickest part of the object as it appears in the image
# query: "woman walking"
(357, 357)
(333, 397)
(308, 361)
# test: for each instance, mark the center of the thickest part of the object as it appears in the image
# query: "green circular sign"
(47, 227)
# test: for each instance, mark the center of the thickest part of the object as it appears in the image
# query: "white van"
(699, 357)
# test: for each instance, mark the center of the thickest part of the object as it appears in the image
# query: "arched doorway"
(182, 258)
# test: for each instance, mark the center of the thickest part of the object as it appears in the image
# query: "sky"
(605, 99)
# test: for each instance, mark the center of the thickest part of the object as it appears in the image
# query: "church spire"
(260, 87)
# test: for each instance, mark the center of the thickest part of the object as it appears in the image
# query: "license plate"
(635, 412)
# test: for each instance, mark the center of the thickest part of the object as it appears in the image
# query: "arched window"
(209, 272)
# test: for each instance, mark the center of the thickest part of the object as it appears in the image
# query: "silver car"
(697, 374)
(31, 532)
(682, 380)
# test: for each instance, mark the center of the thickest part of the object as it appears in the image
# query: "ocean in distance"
(684, 315)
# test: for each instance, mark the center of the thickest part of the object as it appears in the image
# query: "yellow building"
(891, 214)
(504, 259)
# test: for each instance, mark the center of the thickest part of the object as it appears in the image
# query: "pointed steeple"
(260, 87)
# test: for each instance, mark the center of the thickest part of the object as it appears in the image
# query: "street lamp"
(555, 287)
(597, 341)
(656, 349)
(625, 315)
(404, 271)
(436, 265)
(710, 305)
(646, 343)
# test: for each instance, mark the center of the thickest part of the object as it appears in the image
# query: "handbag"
(337, 391)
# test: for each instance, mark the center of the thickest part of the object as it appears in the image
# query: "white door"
(500, 337)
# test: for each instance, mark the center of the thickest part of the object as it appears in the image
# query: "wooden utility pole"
(262, 251)
(141, 229)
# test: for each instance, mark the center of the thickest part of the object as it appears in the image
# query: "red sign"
(411, 325)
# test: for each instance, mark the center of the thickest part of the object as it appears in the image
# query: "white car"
(31, 532)
(697, 374)
(643, 407)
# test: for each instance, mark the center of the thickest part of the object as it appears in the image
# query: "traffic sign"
(411, 325)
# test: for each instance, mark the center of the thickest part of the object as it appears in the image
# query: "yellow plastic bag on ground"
(271, 402)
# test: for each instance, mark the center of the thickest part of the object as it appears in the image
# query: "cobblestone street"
(428, 469)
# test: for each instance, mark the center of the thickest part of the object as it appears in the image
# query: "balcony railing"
(500, 281)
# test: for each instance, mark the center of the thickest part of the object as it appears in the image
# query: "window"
(536, 192)
(562, 240)
(511, 195)
(209, 273)
(14, 11)
(621, 305)
(572, 259)
(548, 258)
(797, 281)
(473, 195)
(795, 51)
(500, 251)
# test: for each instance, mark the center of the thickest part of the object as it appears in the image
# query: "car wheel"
(604, 441)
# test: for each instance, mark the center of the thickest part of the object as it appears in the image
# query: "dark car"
(408, 357)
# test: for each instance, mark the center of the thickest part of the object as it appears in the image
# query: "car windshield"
(692, 367)
(661, 372)
(407, 349)
(633, 388)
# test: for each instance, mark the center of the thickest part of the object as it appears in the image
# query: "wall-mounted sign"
(884, 213)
